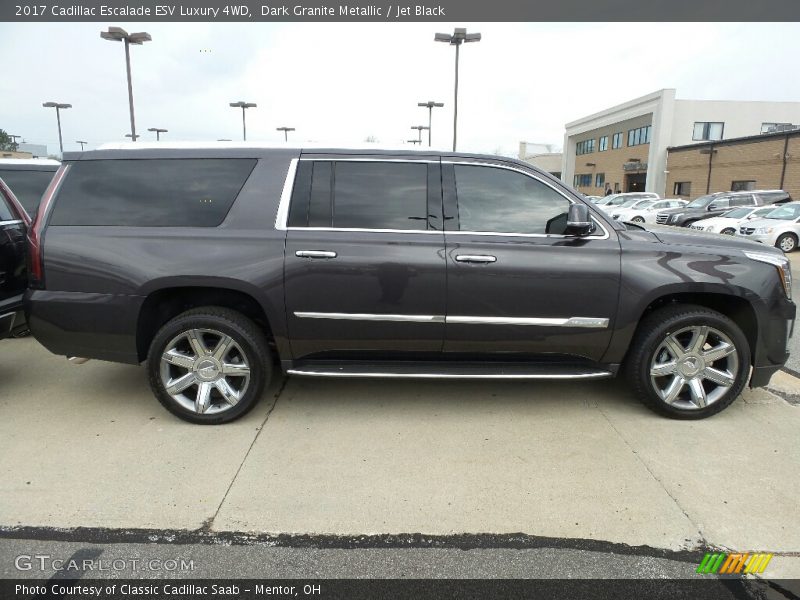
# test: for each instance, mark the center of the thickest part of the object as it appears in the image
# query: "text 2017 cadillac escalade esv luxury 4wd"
(209, 262)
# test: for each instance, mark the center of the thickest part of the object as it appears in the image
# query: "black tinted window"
(5, 210)
(380, 195)
(28, 186)
(504, 201)
(150, 193)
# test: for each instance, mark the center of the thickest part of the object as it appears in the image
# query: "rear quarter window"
(150, 192)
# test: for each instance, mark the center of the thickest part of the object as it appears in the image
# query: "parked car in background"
(593, 199)
(779, 228)
(728, 223)
(13, 274)
(612, 200)
(644, 211)
(28, 179)
(713, 205)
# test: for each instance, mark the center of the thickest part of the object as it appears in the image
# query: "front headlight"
(765, 230)
(676, 217)
(781, 263)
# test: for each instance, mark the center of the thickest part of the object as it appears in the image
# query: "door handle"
(476, 258)
(315, 254)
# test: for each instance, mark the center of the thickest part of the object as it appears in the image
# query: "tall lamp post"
(59, 106)
(118, 34)
(14, 139)
(82, 143)
(460, 36)
(244, 106)
(419, 129)
(430, 105)
(413, 141)
(158, 131)
(285, 131)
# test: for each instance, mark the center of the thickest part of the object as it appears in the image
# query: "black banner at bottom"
(397, 589)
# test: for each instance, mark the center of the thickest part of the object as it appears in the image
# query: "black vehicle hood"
(692, 237)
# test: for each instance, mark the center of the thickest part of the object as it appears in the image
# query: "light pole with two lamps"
(459, 36)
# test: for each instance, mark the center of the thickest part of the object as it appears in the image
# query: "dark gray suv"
(208, 263)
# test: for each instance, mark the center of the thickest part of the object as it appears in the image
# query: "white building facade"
(625, 147)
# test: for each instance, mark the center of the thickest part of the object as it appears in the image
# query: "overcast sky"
(340, 83)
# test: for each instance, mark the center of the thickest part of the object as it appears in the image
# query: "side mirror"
(579, 223)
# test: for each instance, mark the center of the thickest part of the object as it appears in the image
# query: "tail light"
(36, 230)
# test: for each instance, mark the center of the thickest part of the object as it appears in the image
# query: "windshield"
(629, 203)
(645, 203)
(737, 213)
(785, 213)
(701, 202)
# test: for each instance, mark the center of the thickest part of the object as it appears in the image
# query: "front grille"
(747, 230)
(662, 218)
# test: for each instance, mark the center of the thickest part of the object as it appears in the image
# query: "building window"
(637, 137)
(682, 188)
(582, 180)
(604, 143)
(616, 141)
(777, 127)
(742, 185)
(705, 131)
(584, 147)
(600, 180)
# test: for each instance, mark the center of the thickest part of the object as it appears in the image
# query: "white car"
(645, 211)
(728, 223)
(780, 228)
(608, 203)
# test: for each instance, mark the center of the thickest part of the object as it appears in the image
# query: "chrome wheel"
(637, 220)
(205, 371)
(694, 367)
(787, 242)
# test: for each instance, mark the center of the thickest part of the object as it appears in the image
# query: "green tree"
(7, 142)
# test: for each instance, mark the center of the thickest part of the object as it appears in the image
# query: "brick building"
(769, 161)
(626, 145)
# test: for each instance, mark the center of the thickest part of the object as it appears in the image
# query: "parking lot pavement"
(89, 446)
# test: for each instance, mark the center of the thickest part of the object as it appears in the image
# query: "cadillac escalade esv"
(219, 265)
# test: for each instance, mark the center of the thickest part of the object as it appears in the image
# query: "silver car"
(779, 228)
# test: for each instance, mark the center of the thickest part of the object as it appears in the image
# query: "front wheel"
(786, 242)
(688, 362)
(728, 231)
(209, 365)
(637, 220)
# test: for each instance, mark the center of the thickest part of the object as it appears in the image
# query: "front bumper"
(768, 239)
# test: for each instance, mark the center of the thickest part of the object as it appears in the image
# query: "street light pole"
(430, 104)
(14, 144)
(82, 143)
(158, 131)
(419, 129)
(117, 34)
(460, 36)
(58, 106)
(285, 131)
(244, 106)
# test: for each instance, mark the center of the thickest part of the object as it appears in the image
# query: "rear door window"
(361, 195)
(150, 192)
(6, 214)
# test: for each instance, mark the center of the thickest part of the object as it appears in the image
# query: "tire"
(786, 242)
(652, 352)
(637, 220)
(202, 392)
(728, 231)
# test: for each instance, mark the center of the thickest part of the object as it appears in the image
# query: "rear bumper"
(100, 326)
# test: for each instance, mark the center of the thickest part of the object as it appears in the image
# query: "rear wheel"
(688, 362)
(209, 365)
(728, 231)
(786, 242)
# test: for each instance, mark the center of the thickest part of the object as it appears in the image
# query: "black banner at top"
(398, 10)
